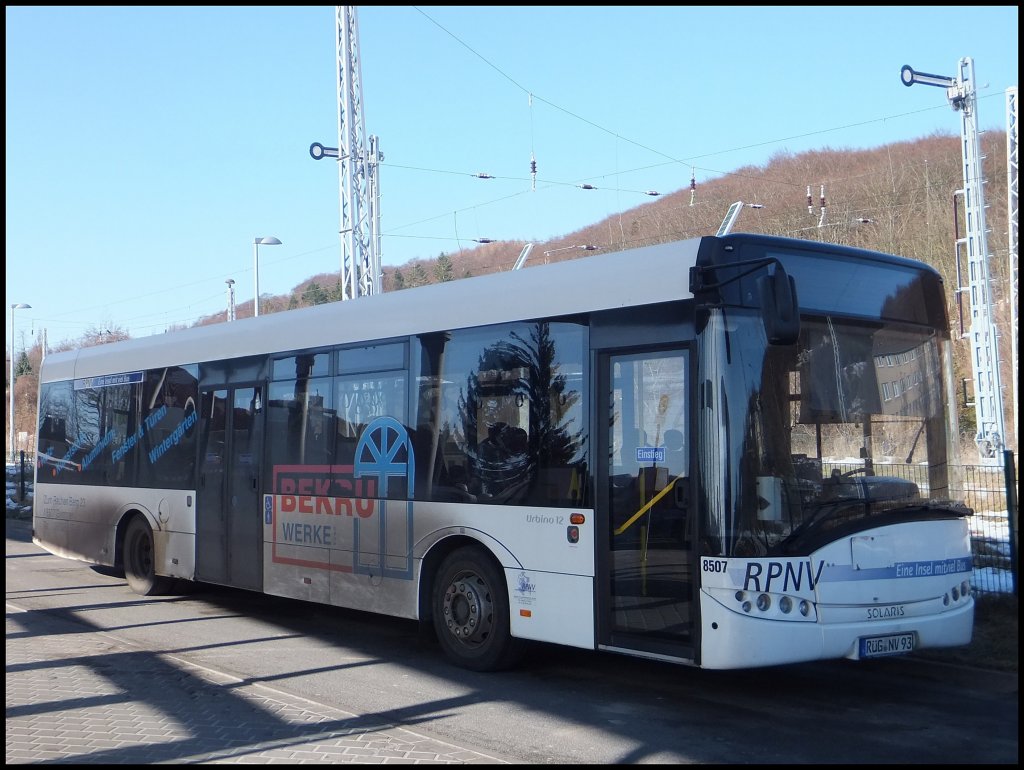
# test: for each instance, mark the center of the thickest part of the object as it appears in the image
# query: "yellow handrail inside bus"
(632, 519)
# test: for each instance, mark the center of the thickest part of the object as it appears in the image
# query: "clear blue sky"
(147, 147)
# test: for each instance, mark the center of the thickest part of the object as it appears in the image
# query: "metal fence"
(991, 492)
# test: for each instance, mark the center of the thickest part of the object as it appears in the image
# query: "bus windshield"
(845, 427)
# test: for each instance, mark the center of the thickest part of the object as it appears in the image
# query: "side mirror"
(780, 309)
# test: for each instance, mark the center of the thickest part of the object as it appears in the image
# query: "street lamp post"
(16, 306)
(269, 240)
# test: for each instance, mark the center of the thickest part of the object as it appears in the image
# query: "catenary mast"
(358, 165)
(988, 396)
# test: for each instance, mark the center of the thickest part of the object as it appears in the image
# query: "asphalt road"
(96, 674)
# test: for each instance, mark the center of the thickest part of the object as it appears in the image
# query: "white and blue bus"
(686, 452)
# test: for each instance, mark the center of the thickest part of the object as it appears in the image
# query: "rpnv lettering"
(792, 574)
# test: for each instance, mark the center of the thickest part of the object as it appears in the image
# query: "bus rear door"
(229, 528)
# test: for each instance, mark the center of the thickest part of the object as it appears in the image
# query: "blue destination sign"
(106, 380)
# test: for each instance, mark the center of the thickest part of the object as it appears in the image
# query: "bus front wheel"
(140, 560)
(471, 612)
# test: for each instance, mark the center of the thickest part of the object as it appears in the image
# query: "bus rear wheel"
(140, 560)
(471, 612)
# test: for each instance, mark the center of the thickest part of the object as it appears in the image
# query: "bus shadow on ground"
(174, 711)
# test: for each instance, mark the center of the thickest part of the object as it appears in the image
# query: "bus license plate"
(880, 646)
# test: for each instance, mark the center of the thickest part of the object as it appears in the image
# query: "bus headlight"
(768, 605)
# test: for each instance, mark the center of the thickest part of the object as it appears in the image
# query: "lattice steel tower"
(988, 394)
(358, 165)
(1012, 242)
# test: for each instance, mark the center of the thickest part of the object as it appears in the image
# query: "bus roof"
(631, 278)
(641, 276)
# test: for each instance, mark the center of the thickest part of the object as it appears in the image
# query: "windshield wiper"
(825, 510)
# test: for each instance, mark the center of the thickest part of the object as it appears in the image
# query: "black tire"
(471, 612)
(140, 560)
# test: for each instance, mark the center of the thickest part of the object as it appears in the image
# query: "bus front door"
(229, 529)
(646, 568)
